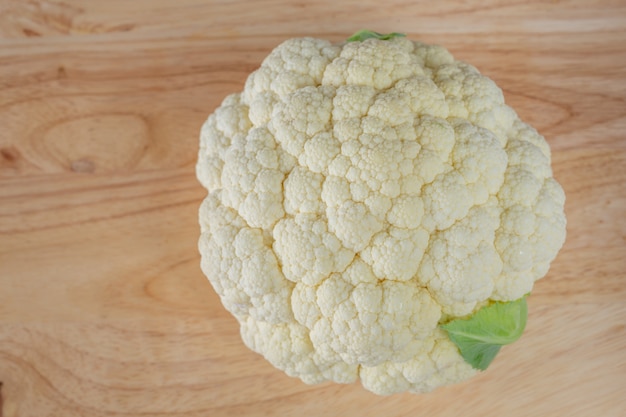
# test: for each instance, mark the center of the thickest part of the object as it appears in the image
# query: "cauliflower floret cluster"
(362, 194)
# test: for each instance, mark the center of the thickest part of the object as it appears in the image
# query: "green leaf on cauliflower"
(480, 337)
(362, 35)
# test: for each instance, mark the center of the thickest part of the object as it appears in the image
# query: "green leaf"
(361, 35)
(480, 337)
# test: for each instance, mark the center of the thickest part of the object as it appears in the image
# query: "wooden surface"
(103, 308)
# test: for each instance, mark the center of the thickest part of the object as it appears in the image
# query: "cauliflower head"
(362, 195)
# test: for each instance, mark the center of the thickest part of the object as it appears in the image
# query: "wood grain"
(103, 308)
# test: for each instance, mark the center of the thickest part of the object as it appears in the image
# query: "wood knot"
(9, 154)
(99, 143)
(83, 165)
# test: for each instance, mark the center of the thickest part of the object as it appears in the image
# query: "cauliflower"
(375, 211)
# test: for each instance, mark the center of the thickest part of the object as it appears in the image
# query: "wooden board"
(103, 308)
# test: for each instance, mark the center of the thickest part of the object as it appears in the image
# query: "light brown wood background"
(103, 308)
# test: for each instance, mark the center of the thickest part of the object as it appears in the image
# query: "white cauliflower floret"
(362, 195)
